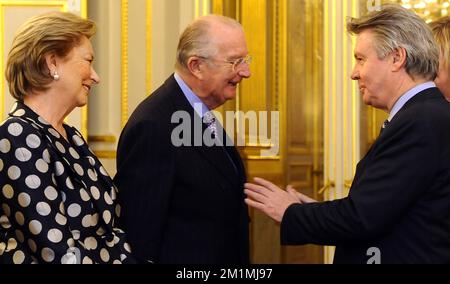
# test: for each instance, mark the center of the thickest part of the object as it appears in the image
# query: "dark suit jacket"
(179, 204)
(399, 201)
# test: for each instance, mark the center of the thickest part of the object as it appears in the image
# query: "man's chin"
(82, 103)
(230, 96)
(366, 100)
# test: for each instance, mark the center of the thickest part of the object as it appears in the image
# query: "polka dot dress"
(57, 201)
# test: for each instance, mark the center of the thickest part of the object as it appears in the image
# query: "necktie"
(210, 120)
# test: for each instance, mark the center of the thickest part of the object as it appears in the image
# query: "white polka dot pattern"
(35, 227)
(20, 219)
(24, 199)
(74, 153)
(69, 258)
(55, 235)
(14, 172)
(95, 193)
(33, 141)
(79, 169)
(69, 183)
(5, 146)
(15, 129)
(59, 168)
(18, 257)
(8, 191)
(74, 210)
(33, 181)
(60, 147)
(57, 199)
(43, 121)
(60, 219)
(23, 155)
(90, 243)
(51, 193)
(19, 112)
(41, 166)
(43, 209)
(54, 133)
(107, 216)
(48, 255)
(77, 140)
(46, 156)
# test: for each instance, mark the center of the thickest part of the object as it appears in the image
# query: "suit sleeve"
(145, 168)
(402, 167)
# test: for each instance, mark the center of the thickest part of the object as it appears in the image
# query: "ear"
(50, 60)
(195, 67)
(399, 58)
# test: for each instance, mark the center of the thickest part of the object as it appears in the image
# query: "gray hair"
(196, 39)
(393, 27)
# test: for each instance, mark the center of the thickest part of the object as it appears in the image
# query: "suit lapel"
(215, 155)
(427, 94)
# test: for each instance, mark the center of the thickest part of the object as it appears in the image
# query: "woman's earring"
(55, 76)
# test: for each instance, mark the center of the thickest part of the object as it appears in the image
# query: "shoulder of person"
(16, 126)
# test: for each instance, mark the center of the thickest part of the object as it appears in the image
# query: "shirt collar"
(409, 95)
(199, 107)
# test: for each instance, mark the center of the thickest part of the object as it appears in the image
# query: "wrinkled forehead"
(231, 43)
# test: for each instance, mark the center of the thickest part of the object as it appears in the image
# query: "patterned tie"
(210, 120)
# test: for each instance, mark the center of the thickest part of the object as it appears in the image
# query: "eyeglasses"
(235, 64)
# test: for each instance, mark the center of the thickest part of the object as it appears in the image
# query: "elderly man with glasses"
(185, 203)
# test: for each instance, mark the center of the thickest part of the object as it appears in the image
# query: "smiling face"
(77, 75)
(373, 74)
(220, 81)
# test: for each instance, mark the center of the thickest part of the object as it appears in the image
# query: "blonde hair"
(441, 32)
(197, 40)
(55, 32)
(393, 27)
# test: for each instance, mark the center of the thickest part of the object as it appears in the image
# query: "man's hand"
(269, 198)
(303, 199)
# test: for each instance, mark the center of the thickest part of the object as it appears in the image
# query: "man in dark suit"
(398, 209)
(184, 202)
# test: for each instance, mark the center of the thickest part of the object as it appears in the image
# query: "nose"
(245, 72)
(355, 73)
(94, 76)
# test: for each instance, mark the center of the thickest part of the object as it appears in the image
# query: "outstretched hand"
(303, 199)
(269, 198)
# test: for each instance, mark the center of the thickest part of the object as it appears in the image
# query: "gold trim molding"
(148, 42)
(102, 138)
(124, 65)
(106, 154)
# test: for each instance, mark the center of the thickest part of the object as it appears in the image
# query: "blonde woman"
(57, 201)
